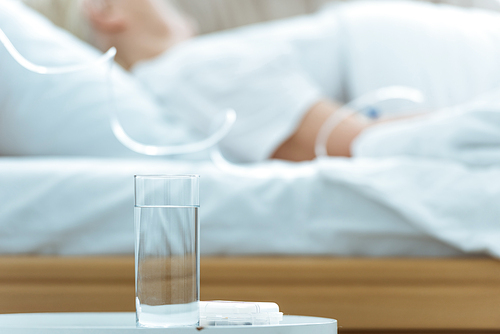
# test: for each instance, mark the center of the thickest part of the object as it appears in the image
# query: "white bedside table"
(115, 323)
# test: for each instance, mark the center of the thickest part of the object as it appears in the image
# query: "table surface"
(114, 323)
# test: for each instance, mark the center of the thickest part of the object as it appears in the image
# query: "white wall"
(214, 15)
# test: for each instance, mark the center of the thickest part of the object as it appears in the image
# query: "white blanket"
(382, 207)
(451, 55)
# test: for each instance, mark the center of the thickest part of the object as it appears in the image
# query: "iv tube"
(108, 56)
(156, 150)
(118, 131)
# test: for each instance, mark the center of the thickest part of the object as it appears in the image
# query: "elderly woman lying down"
(285, 78)
(432, 173)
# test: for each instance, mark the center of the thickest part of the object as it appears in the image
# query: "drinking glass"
(167, 252)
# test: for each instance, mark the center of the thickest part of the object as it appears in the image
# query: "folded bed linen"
(385, 207)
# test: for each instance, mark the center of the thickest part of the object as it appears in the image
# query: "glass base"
(162, 316)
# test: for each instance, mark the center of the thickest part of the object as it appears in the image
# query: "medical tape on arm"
(366, 101)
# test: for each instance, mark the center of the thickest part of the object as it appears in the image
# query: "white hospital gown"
(272, 73)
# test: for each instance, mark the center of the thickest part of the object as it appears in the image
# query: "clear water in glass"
(167, 265)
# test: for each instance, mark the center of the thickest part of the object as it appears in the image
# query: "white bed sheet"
(76, 206)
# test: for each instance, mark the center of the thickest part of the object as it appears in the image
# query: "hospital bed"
(354, 258)
(72, 251)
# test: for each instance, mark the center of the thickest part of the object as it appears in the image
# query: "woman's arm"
(300, 146)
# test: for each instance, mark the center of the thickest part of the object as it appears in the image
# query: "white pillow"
(68, 114)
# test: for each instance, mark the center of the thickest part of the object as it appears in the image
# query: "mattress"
(83, 206)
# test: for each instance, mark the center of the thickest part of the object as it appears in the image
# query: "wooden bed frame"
(364, 295)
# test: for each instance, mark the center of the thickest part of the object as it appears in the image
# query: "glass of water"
(167, 252)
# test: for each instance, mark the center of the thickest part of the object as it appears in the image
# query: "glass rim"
(180, 176)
